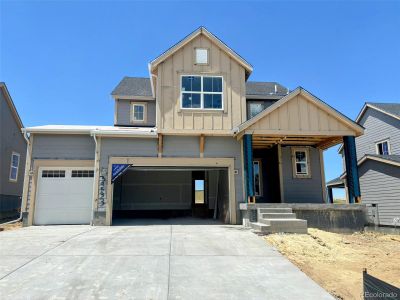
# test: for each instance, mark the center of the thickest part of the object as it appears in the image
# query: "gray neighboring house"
(12, 156)
(195, 138)
(378, 155)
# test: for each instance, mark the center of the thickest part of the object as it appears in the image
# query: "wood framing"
(175, 162)
(202, 141)
(37, 163)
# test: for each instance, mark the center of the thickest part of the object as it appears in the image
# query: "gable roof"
(141, 87)
(388, 159)
(201, 30)
(11, 105)
(322, 105)
(390, 109)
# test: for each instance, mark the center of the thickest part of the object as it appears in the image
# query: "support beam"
(330, 195)
(202, 145)
(248, 166)
(352, 179)
(160, 145)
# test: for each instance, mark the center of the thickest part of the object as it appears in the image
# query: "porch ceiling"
(323, 142)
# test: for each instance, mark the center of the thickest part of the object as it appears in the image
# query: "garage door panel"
(64, 199)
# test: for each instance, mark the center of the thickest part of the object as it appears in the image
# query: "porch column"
(330, 195)
(352, 179)
(248, 165)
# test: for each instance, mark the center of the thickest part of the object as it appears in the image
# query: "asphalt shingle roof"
(139, 86)
(133, 86)
(391, 108)
(394, 158)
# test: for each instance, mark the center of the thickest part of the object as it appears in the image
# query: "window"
(138, 112)
(14, 166)
(82, 173)
(201, 92)
(255, 109)
(199, 191)
(257, 177)
(382, 148)
(201, 56)
(53, 173)
(301, 167)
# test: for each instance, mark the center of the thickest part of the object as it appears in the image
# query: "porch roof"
(299, 118)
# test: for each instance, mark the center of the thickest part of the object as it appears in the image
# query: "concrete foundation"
(330, 217)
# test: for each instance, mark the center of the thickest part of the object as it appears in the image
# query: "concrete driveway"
(182, 259)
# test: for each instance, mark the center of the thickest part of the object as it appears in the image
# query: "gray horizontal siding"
(124, 113)
(378, 126)
(227, 147)
(141, 147)
(181, 146)
(380, 184)
(302, 190)
(63, 147)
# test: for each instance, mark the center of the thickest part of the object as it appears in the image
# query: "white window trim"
(254, 177)
(144, 105)
(202, 93)
(301, 175)
(195, 56)
(11, 167)
(381, 142)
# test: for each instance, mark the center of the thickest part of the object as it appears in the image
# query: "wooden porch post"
(352, 179)
(248, 166)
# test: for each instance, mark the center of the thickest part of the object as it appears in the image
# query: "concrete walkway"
(182, 259)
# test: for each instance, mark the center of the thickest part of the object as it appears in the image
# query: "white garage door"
(64, 196)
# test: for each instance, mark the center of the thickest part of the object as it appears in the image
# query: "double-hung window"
(382, 148)
(138, 112)
(301, 166)
(201, 92)
(14, 166)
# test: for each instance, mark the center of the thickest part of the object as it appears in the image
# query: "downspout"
(25, 135)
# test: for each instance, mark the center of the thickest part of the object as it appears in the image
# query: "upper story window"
(301, 163)
(383, 148)
(255, 108)
(201, 56)
(201, 92)
(14, 166)
(138, 112)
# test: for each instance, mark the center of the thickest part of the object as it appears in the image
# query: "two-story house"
(12, 156)
(378, 155)
(194, 138)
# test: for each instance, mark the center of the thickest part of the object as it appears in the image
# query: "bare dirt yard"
(336, 261)
(10, 226)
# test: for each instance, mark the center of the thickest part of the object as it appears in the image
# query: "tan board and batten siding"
(299, 115)
(170, 115)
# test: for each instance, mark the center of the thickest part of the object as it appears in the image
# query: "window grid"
(138, 112)
(202, 92)
(82, 173)
(53, 173)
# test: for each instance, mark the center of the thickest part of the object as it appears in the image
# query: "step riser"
(278, 216)
(274, 210)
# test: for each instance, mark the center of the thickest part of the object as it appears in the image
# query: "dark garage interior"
(165, 192)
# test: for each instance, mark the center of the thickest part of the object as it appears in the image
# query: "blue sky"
(61, 59)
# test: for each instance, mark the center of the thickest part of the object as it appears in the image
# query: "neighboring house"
(378, 155)
(195, 138)
(12, 156)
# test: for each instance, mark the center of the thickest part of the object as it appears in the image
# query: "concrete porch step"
(278, 216)
(260, 227)
(286, 225)
(283, 210)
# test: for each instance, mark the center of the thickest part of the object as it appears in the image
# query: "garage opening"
(165, 192)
